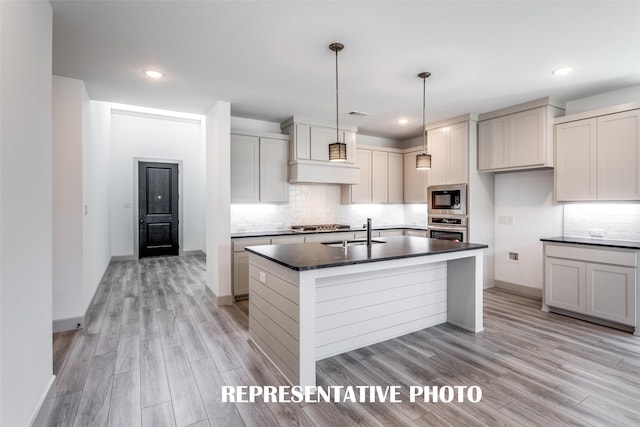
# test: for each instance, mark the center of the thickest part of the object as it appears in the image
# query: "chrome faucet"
(368, 227)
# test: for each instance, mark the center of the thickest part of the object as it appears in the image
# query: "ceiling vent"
(358, 113)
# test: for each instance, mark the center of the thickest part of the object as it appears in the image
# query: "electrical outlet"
(263, 277)
(596, 232)
(514, 256)
(509, 220)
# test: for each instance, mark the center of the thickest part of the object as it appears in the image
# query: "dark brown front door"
(158, 209)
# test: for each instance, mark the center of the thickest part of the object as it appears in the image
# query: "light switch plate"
(263, 277)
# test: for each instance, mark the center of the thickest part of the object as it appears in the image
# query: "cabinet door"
(274, 187)
(396, 181)
(361, 193)
(527, 139)
(415, 181)
(349, 138)
(302, 142)
(575, 169)
(564, 284)
(619, 156)
(329, 237)
(321, 137)
(245, 163)
(240, 273)
(492, 144)
(379, 177)
(611, 293)
(437, 142)
(391, 233)
(458, 154)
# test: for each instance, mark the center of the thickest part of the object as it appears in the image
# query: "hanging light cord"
(424, 109)
(337, 126)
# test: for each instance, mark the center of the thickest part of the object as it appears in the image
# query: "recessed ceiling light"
(562, 71)
(403, 121)
(153, 74)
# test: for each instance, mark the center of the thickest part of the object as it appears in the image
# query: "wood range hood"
(321, 172)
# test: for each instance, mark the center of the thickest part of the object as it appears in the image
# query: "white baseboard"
(123, 258)
(519, 289)
(224, 300)
(192, 253)
(61, 325)
(43, 409)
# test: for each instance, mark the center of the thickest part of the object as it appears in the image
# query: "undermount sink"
(347, 243)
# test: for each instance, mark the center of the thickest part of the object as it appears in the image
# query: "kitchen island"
(311, 301)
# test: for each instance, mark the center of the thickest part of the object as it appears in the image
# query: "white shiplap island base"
(310, 301)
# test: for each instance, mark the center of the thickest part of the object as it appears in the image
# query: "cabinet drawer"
(603, 256)
(287, 240)
(328, 237)
(240, 244)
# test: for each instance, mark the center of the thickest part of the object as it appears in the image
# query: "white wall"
(25, 209)
(241, 123)
(614, 221)
(218, 174)
(316, 204)
(138, 135)
(67, 198)
(96, 221)
(527, 198)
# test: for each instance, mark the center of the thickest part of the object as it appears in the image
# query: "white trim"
(68, 324)
(122, 258)
(126, 108)
(136, 228)
(597, 113)
(38, 417)
(193, 252)
(541, 102)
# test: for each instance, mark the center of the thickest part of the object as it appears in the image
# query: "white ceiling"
(271, 60)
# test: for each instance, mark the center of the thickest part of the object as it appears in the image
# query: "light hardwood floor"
(156, 350)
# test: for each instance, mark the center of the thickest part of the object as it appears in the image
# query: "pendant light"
(423, 160)
(337, 150)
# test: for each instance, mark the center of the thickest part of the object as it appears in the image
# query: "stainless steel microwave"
(447, 199)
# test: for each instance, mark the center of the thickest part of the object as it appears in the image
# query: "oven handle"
(446, 228)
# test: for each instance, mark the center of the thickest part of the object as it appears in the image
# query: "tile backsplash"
(614, 221)
(320, 204)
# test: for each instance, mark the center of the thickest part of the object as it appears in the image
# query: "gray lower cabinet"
(241, 259)
(601, 283)
(241, 263)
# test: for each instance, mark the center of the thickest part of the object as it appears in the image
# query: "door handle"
(141, 220)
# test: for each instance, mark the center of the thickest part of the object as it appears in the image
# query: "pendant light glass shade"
(423, 160)
(337, 150)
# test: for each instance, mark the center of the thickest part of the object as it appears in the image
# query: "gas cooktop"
(320, 227)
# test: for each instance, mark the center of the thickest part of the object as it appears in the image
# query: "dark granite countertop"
(271, 233)
(310, 256)
(624, 244)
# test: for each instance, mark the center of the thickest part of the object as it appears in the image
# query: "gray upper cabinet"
(310, 139)
(598, 155)
(381, 177)
(415, 181)
(448, 146)
(259, 167)
(245, 166)
(517, 137)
